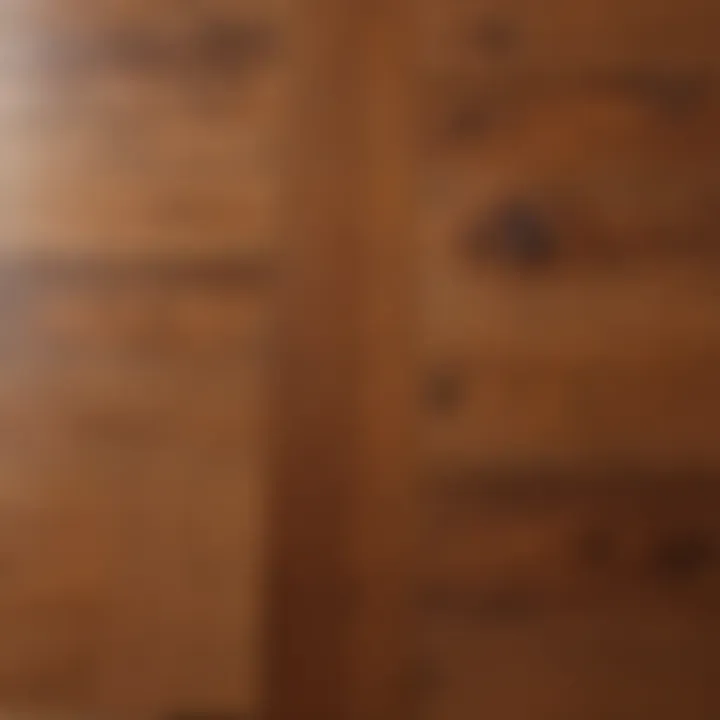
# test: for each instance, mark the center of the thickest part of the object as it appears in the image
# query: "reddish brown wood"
(343, 403)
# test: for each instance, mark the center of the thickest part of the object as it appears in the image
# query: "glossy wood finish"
(142, 149)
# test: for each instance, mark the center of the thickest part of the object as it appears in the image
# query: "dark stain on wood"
(445, 390)
(673, 94)
(495, 35)
(682, 556)
(223, 46)
(467, 118)
(216, 49)
(517, 233)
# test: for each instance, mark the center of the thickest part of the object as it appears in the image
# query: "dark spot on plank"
(466, 119)
(225, 45)
(682, 556)
(516, 232)
(673, 95)
(445, 390)
(495, 35)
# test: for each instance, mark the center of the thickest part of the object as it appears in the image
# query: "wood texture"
(538, 543)
(135, 127)
(341, 638)
(570, 266)
(473, 244)
(597, 665)
(133, 458)
(569, 325)
(142, 150)
(596, 598)
(518, 41)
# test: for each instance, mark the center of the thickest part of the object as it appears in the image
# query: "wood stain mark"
(445, 390)
(516, 232)
(466, 119)
(225, 46)
(682, 557)
(673, 95)
(495, 35)
(216, 48)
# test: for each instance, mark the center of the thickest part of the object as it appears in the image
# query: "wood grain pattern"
(507, 546)
(342, 629)
(142, 150)
(597, 665)
(110, 383)
(136, 127)
(570, 257)
(314, 402)
(474, 244)
(518, 41)
(569, 324)
(597, 597)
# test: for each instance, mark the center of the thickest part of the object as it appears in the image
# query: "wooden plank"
(143, 151)
(384, 513)
(133, 466)
(343, 403)
(314, 403)
(569, 329)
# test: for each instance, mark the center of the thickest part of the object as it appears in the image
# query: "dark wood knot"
(224, 45)
(517, 232)
(465, 119)
(495, 35)
(445, 390)
(682, 556)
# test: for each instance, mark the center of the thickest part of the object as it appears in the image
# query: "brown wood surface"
(142, 151)
(570, 324)
(445, 273)
(343, 414)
